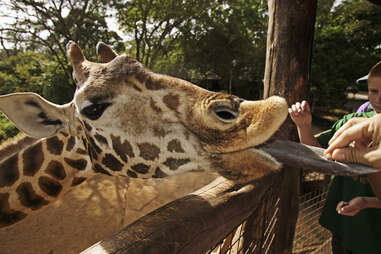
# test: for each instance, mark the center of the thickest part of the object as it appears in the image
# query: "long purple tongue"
(311, 158)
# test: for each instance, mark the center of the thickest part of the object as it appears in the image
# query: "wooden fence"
(198, 222)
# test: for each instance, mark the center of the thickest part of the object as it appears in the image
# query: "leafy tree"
(32, 72)
(229, 41)
(153, 25)
(47, 26)
(222, 38)
(346, 46)
(7, 128)
(23, 72)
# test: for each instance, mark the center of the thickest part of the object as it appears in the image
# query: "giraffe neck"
(14, 145)
(39, 174)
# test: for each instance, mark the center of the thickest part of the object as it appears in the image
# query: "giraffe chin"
(247, 165)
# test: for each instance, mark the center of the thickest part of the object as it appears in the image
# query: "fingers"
(370, 156)
(300, 107)
(340, 206)
(305, 106)
(352, 207)
(352, 131)
(348, 209)
(346, 126)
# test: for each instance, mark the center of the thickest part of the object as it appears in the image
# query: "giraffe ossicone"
(126, 120)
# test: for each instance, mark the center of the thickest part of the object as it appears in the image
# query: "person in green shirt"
(360, 233)
(366, 131)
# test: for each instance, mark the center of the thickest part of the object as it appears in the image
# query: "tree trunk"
(288, 61)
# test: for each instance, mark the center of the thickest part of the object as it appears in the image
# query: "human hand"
(352, 207)
(300, 114)
(358, 141)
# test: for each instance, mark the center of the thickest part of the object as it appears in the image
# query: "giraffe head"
(135, 122)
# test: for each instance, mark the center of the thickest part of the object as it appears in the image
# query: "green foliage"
(229, 41)
(7, 128)
(34, 72)
(153, 25)
(218, 44)
(22, 72)
(346, 46)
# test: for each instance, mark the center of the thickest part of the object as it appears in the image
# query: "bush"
(7, 128)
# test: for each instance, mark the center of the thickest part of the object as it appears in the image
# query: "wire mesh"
(310, 237)
(258, 239)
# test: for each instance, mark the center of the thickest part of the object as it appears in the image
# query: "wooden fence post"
(288, 58)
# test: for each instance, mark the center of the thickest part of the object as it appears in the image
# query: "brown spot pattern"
(9, 171)
(56, 170)
(172, 101)
(54, 145)
(85, 144)
(122, 149)
(141, 168)
(101, 139)
(132, 174)
(175, 146)
(93, 154)
(77, 181)
(159, 173)
(77, 164)
(148, 151)
(141, 76)
(29, 198)
(64, 134)
(7, 215)
(174, 164)
(159, 132)
(154, 106)
(94, 145)
(33, 159)
(88, 127)
(152, 84)
(112, 163)
(81, 151)
(49, 186)
(70, 144)
(99, 169)
(137, 88)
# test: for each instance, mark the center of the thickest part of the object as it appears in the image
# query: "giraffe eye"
(225, 114)
(94, 111)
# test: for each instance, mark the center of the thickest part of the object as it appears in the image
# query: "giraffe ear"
(105, 52)
(34, 115)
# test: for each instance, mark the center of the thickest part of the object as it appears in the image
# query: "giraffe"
(126, 120)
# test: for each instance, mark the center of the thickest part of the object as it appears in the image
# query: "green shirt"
(360, 233)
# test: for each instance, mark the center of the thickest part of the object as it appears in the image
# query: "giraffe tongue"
(311, 158)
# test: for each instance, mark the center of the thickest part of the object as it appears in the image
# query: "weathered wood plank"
(193, 223)
(296, 155)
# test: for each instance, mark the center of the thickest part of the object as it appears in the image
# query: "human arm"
(300, 114)
(357, 204)
(365, 133)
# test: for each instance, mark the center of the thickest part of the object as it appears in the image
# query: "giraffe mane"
(15, 144)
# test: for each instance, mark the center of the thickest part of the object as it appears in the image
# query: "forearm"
(306, 137)
(372, 202)
(375, 182)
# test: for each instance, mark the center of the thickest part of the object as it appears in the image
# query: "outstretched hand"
(352, 207)
(358, 141)
(300, 114)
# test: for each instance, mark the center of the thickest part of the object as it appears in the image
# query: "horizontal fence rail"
(192, 224)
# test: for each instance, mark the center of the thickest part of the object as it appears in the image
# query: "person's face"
(374, 92)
